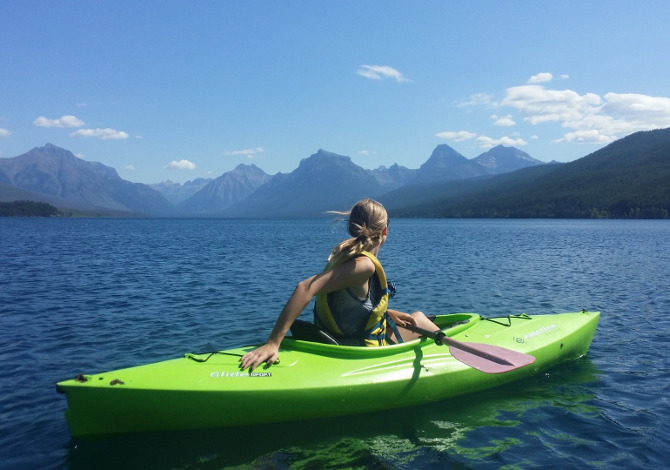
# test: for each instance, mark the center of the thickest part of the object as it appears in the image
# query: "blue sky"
(185, 89)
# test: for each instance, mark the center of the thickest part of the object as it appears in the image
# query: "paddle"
(484, 357)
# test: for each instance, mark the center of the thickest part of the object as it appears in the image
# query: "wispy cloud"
(484, 141)
(249, 153)
(381, 72)
(456, 136)
(478, 99)
(103, 134)
(5, 132)
(541, 78)
(180, 165)
(64, 121)
(503, 121)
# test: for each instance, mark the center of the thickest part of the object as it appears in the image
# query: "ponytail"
(367, 220)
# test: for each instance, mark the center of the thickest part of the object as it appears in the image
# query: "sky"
(181, 90)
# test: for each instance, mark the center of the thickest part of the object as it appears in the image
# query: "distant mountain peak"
(227, 190)
(67, 181)
(326, 153)
(246, 167)
(55, 151)
(446, 164)
(323, 181)
(445, 151)
(321, 153)
(323, 158)
(501, 159)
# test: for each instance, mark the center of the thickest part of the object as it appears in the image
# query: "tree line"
(28, 209)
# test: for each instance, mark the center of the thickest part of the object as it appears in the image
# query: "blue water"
(90, 295)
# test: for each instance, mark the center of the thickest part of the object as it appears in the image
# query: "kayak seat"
(308, 331)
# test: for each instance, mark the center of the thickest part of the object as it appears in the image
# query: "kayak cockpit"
(308, 331)
(307, 336)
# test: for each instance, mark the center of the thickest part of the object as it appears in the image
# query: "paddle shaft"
(440, 338)
(485, 357)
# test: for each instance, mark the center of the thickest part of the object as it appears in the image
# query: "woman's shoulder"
(356, 265)
(363, 263)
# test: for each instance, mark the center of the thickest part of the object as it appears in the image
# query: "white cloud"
(130, 167)
(64, 121)
(584, 117)
(5, 132)
(537, 104)
(365, 153)
(486, 142)
(636, 108)
(592, 136)
(180, 165)
(479, 99)
(541, 78)
(459, 136)
(103, 134)
(249, 153)
(380, 72)
(589, 117)
(503, 121)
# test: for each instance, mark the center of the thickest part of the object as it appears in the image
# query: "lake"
(90, 295)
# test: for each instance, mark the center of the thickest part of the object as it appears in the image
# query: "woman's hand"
(401, 318)
(268, 353)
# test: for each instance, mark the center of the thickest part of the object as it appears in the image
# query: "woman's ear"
(385, 232)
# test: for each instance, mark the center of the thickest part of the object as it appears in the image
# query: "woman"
(351, 293)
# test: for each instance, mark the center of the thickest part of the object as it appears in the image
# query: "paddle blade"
(488, 358)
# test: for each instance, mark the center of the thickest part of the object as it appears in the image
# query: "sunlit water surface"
(89, 295)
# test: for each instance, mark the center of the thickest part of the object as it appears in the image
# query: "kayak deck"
(314, 380)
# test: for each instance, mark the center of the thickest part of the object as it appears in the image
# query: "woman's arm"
(353, 272)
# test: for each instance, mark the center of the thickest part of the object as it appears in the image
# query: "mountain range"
(322, 182)
(628, 178)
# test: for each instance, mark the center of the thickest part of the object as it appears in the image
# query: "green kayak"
(316, 380)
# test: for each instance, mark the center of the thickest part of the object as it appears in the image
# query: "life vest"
(376, 329)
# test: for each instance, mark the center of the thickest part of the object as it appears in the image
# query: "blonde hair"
(367, 220)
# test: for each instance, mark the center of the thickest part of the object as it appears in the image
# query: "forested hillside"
(629, 178)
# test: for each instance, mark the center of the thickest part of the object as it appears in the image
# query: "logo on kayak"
(542, 331)
(222, 374)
